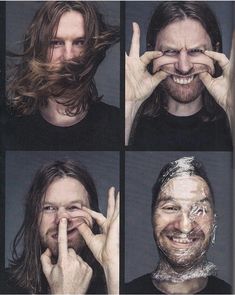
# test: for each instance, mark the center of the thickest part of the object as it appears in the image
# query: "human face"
(64, 198)
(69, 39)
(183, 221)
(183, 43)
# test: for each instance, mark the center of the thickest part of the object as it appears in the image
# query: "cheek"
(54, 54)
(164, 61)
(45, 223)
(203, 60)
(161, 222)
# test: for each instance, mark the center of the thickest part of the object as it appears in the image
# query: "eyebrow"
(70, 203)
(172, 47)
(170, 198)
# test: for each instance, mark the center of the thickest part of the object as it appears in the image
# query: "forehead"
(71, 22)
(186, 33)
(65, 190)
(185, 189)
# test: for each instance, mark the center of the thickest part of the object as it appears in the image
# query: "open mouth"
(183, 241)
(182, 80)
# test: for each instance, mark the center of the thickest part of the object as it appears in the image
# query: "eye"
(49, 209)
(79, 42)
(195, 52)
(73, 208)
(56, 43)
(171, 209)
(170, 52)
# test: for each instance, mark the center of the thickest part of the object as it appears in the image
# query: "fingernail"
(63, 220)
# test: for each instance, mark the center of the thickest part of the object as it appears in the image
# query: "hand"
(139, 82)
(70, 275)
(218, 87)
(105, 246)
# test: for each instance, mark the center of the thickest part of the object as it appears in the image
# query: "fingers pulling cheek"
(204, 60)
(158, 63)
(82, 217)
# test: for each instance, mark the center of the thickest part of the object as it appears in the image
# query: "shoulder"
(104, 109)
(8, 284)
(141, 285)
(217, 286)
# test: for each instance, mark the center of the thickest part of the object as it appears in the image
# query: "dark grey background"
(19, 14)
(21, 167)
(142, 169)
(141, 12)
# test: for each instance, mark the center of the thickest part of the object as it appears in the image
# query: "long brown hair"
(25, 266)
(33, 80)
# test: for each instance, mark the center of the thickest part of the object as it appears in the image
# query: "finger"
(99, 217)
(62, 239)
(148, 56)
(220, 57)
(159, 77)
(86, 233)
(117, 206)
(46, 262)
(206, 79)
(111, 202)
(135, 41)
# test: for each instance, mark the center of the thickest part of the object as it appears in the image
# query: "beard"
(186, 255)
(50, 240)
(184, 93)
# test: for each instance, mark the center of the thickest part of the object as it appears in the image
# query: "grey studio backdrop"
(141, 12)
(141, 171)
(21, 167)
(18, 17)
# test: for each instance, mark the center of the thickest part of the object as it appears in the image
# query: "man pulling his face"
(183, 219)
(172, 82)
(68, 246)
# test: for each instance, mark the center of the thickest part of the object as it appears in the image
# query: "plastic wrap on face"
(165, 272)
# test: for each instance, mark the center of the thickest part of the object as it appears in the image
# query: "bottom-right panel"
(178, 222)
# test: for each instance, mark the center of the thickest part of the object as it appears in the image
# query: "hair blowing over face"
(33, 80)
(26, 267)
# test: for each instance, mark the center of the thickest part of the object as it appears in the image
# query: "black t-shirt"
(144, 285)
(100, 129)
(9, 286)
(169, 132)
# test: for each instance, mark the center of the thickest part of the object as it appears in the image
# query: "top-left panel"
(62, 73)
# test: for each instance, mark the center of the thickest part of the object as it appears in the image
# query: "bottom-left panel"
(59, 236)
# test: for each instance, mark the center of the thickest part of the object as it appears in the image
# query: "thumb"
(158, 77)
(46, 262)
(206, 79)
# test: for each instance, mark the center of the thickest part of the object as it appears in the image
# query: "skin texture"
(64, 199)
(184, 220)
(68, 42)
(181, 58)
(65, 225)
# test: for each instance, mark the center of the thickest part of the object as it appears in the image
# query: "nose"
(184, 64)
(184, 223)
(68, 51)
(62, 213)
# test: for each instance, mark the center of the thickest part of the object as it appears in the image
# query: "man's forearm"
(112, 278)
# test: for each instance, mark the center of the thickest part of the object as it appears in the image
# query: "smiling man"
(183, 219)
(69, 247)
(169, 101)
(52, 95)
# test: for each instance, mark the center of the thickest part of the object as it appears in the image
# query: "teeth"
(182, 241)
(182, 80)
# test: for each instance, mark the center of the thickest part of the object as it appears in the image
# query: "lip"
(182, 242)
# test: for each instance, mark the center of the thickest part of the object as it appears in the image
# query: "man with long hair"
(65, 245)
(184, 222)
(177, 92)
(51, 91)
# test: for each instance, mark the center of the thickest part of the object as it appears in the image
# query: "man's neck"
(187, 287)
(184, 109)
(185, 280)
(55, 114)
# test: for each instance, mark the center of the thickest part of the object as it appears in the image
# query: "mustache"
(73, 223)
(197, 71)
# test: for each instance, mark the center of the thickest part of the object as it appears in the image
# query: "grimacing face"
(69, 40)
(64, 198)
(183, 221)
(183, 43)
